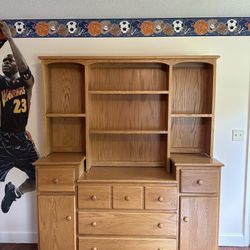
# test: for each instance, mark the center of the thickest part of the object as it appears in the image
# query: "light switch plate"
(237, 135)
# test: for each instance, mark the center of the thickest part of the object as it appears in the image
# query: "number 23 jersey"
(14, 105)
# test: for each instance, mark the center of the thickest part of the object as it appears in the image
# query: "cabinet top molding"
(136, 27)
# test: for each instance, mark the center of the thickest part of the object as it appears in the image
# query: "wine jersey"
(14, 105)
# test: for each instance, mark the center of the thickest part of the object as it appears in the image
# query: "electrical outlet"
(238, 135)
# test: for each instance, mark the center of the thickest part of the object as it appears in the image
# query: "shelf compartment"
(66, 134)
(65, 89)
(64, 115)
(129, 112)
(191, 135)
(126, 92)
(192, 88)
(128, 148)
(132, 76)
(191, 115)
(138, 132)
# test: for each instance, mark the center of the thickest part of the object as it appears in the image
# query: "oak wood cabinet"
(129, 152)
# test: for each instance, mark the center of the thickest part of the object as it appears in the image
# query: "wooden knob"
(55, 180)
(200, 182)
(68, 218)
(127, 198)
(160, 199)
(94, 248)
(93, 224)
(93, 198)
(160, 225)
(185, 219)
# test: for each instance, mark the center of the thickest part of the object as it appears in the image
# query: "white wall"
(19, 225)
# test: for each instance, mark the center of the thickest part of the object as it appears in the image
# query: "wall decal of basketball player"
(16, 146)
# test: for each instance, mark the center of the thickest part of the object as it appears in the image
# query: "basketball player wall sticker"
(16, 146)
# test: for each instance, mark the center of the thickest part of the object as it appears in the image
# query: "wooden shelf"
(134, 132)
(61, 115)
(143, 164)
(192, 115)
(129, 92)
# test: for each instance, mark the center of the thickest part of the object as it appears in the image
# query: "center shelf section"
(143, 132)
(128, 174)
(127, 92)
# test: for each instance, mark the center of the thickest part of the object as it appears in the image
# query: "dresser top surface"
(128, 174)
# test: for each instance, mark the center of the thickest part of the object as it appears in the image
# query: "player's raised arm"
(22, 66)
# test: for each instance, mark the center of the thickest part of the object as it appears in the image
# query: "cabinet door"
(198, 223)
(56, 222)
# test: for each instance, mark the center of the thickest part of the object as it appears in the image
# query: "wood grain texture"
(66, 88)
(192, 89)
(94, 196)
(190, 135)
(199, 181)
(67, 134)
(112, 243)
(164, 198)
(135, 112)
(119, 223)
(198, 223)
(55, 224)
(21, 246)
(125, 197)
(125, 148)
(56, 179)
(130, 76)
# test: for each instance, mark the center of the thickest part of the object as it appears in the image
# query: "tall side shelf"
(128, 154)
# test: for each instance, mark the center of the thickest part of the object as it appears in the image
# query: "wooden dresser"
(128, 154)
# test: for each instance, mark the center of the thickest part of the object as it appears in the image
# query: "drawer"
(126, 197)
(161, 198)
(119, 223)
(98, 243)
(56, 179)
(94, 196)
(199, 181)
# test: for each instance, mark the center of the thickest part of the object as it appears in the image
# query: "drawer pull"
(185, 219)
(93, 198)
(68, 218)
(55, 180)
(127, 198)
(93, 248)
(160, 225)
(200, 182)
(93, 224)
(160, 199)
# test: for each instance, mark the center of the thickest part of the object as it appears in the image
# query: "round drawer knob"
(200, 182)
(185, 219)
(94, 248)
(160, 199)
(127, 198)
(93, 224)
(69, 218)
(93, 198)
(55, 180)
(160, 225)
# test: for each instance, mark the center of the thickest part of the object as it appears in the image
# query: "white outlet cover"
(237, 135)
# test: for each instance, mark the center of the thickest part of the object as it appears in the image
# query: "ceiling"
(91, 9)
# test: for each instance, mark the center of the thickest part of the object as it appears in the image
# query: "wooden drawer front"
(118, 223)
(54, 179)
(125, 197)
(94, 196)
(161, 198)
(199, 181)
(112, 243)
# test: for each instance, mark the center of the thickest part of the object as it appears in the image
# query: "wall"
(19, 225)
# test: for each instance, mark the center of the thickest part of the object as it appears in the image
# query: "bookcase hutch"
(128, 154)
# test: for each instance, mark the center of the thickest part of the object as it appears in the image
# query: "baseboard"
(9, 237)
(232, 240)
